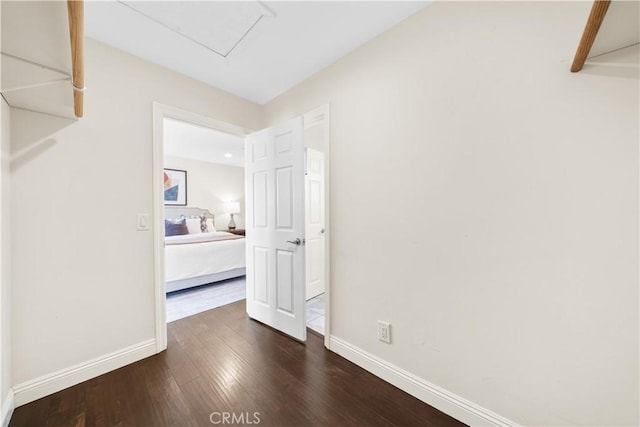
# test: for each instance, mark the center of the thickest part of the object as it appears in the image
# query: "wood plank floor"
(220, 361)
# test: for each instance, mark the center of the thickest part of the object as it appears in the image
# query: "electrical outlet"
(384, 331)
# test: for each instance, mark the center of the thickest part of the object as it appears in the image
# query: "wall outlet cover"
(384, 331)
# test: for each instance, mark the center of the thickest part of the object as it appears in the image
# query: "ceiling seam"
(244, 35)
(171, 29)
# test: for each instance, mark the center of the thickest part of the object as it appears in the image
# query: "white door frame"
(160, 112)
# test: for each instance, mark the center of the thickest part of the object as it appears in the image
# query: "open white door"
(314, 223)
(274, 179)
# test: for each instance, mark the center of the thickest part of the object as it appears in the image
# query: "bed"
(201, 256)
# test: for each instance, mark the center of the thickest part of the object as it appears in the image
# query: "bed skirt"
(178, 285)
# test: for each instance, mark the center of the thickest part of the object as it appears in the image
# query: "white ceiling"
(189, 141)
(256, 50)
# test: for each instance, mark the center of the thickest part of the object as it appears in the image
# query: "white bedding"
(200, 258)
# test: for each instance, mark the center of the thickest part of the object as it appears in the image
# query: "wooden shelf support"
(76, 33)
(598, 11)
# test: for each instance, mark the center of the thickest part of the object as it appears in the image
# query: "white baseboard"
(45, 385)
(449, 403)
(7, 408)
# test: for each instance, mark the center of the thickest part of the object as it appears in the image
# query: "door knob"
(296, 242)
(322, 231)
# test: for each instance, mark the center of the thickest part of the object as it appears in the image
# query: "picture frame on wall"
(175, 187)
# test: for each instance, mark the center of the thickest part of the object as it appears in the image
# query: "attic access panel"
(217, 26)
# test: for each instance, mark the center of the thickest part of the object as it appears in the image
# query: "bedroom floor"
(315, 314)
(192, 301)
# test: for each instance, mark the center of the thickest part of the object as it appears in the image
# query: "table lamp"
(232, 208)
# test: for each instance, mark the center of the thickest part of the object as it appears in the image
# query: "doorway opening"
(204, 222)
(221, 211)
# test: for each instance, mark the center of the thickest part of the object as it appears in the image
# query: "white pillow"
(193, 225)
(210, 227)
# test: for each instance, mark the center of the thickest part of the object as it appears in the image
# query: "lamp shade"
(232, 207)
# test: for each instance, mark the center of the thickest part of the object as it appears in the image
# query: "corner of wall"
(6, 411)
(6, 393)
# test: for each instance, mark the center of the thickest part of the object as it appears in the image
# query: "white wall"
(82, 275)
(210, 185)
(485, 203)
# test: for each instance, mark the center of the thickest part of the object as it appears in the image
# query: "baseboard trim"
(45, 385)
(449, 403)
(7, 408)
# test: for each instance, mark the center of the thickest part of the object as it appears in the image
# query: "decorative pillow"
(175, 227)
(210, 227)
(203, 224)
(193, 225)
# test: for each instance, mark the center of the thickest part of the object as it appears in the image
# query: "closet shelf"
(43, 57)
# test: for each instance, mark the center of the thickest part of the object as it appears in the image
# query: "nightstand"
(238, 231)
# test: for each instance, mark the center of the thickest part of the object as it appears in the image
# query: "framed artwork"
(175, 187)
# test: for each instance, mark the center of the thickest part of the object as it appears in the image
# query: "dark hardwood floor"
(221, 362)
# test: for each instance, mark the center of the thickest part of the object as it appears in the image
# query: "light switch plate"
(143, 222)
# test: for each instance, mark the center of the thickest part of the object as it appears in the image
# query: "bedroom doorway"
(204, 222)
(315, 132)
